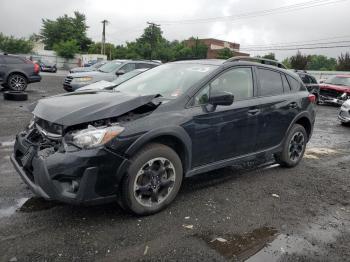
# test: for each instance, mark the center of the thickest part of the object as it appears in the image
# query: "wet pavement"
(255, 211)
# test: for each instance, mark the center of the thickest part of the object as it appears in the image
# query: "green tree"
(95, 48)
(344, 62)
(321, 62)
(65, 28)
(12, 45)
(67, 49)
(270, 56)
(299, 61)
(286, 62)
(225, 53)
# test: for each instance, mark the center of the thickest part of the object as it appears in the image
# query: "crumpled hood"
(81, 107)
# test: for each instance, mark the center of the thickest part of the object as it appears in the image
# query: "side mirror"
(221, 99)
(120, 72)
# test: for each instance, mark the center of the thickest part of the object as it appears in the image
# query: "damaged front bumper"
(80, 177)
(344, 115)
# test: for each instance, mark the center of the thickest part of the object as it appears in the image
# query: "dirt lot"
(254, 211)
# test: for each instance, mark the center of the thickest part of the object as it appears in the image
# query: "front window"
(338, 80)
(169, 80)
(109, 67)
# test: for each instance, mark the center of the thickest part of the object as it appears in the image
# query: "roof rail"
(257, 59)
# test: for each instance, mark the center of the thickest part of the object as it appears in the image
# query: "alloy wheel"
(154, 182)
(296, 146)
(17, 83)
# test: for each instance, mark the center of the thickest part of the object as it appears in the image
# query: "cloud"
(128, 18)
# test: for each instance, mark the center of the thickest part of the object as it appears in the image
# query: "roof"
(202, 61)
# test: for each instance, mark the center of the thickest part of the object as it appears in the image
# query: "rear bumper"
(34, 78)
(80, 177)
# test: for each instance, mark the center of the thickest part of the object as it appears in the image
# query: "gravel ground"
(256, 211)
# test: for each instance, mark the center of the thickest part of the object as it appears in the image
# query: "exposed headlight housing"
(94, 137)
(83, 79)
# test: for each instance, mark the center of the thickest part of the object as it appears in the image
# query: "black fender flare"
(296, 118)
(173, 131)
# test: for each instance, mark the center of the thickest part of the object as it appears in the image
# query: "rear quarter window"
(270, 82)
(295, 84)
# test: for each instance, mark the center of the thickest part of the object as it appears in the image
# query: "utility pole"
(103, 47)
(153, 26)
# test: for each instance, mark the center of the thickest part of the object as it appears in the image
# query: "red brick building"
(214, 45)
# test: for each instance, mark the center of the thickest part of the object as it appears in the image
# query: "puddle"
(280, 246)
(26, 205)
(9, 211)
(241, 247)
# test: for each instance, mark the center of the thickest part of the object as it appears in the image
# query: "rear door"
(278, 106)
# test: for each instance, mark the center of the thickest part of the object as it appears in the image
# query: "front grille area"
(330, 93)
(48, 126)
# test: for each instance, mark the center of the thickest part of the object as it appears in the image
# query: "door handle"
(253, 112)
(293, 105)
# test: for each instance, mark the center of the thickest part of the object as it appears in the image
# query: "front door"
(225, 131)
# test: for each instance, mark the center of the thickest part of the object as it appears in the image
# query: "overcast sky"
(128, 18)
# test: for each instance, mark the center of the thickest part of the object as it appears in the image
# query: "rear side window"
(294, 84)
(12, 60)
(270, 82)
(312, 80)
(128, 67)
(304, 78)
(286, 86)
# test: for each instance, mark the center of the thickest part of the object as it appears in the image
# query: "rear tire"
(152, 180)
(293, 148)
(17, 82)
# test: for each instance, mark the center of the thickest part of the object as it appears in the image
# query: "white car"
(344, 113)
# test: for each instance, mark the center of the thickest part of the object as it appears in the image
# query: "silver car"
(108, 72)
(344, 113)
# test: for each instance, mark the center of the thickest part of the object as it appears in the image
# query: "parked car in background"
(335, 90)
(17, 72)
(180, 119)
(108, 72)
(46, 66)
(310, 82)
(344, 113)
(106, 85)
(93, 67)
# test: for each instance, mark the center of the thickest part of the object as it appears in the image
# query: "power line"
(296, 46)
(247, 15)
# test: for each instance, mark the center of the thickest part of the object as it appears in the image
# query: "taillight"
(312, 98)
(36, 68)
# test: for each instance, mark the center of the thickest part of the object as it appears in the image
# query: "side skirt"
(231, 161)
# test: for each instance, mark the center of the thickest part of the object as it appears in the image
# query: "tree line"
(68, 36)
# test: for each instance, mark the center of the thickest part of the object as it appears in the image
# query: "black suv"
(311, 83)
(180, 119)
(16, 72)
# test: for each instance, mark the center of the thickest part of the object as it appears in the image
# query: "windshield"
(338, 80)
(169, 80)
(109, 67)
(126, 76)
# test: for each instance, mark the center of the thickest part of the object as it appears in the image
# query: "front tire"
(152, 180)
(293, 147)
(17, 82)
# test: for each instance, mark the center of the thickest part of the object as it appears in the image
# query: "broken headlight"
(94, 137)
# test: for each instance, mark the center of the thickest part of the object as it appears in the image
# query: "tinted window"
(304, 78)
(238, 81)
(286, 86)
(12, 60)
(294, 84)
(313, 80)
(270, 82)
